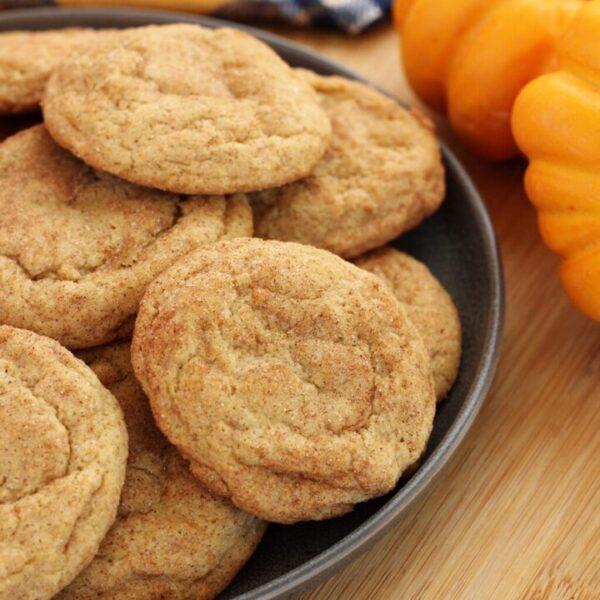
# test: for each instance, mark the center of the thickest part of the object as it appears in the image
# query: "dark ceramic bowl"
(458, 245)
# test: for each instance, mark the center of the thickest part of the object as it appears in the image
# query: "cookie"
(27, 59)
(187, 109)
(63, 447)
(78, 247)
(381, 175)
(172, 538)
(292, 380)
(429, 307)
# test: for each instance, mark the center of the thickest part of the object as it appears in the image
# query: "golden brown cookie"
(292, 380)
(79, 247)
(187, 109)
(429, 307)
(381, 175)
(63, 448)
(27, 59)
(172, 538)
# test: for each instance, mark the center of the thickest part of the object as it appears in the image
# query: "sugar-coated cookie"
(27, 59)
(187, 109)
(381, 175)
(172, 538)
(291, 379)
(63, 447)
(78, 247)
(428, 305)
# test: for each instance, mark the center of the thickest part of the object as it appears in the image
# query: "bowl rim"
(324, 564)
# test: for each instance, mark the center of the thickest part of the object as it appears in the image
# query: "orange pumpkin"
(556, 122)
(472, 57)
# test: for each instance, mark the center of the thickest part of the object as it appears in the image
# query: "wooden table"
(517, 512)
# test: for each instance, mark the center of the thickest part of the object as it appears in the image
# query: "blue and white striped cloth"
(352, 16)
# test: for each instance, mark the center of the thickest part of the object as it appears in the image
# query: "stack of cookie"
(257, 379)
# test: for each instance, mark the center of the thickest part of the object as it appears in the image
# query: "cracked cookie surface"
(380, 176)
(63, 448)
(27, 59)
(429, 306)
(78, 247)
(172, 538)
(187, 109)
(292, 380)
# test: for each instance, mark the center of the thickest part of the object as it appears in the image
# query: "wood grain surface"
(517, 512)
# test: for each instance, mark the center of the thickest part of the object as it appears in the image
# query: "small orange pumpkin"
(472, 57)
(556, 122)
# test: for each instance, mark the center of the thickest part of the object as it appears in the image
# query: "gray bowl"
(458, 245)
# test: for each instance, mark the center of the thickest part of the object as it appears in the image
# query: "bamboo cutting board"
(517, 512)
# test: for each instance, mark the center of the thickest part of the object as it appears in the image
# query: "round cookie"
(292, 380)
(79, 247)
(429, 307)
(187, 109)
(172, 538)
(27, 59)
(381, 175)
(63, 448)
